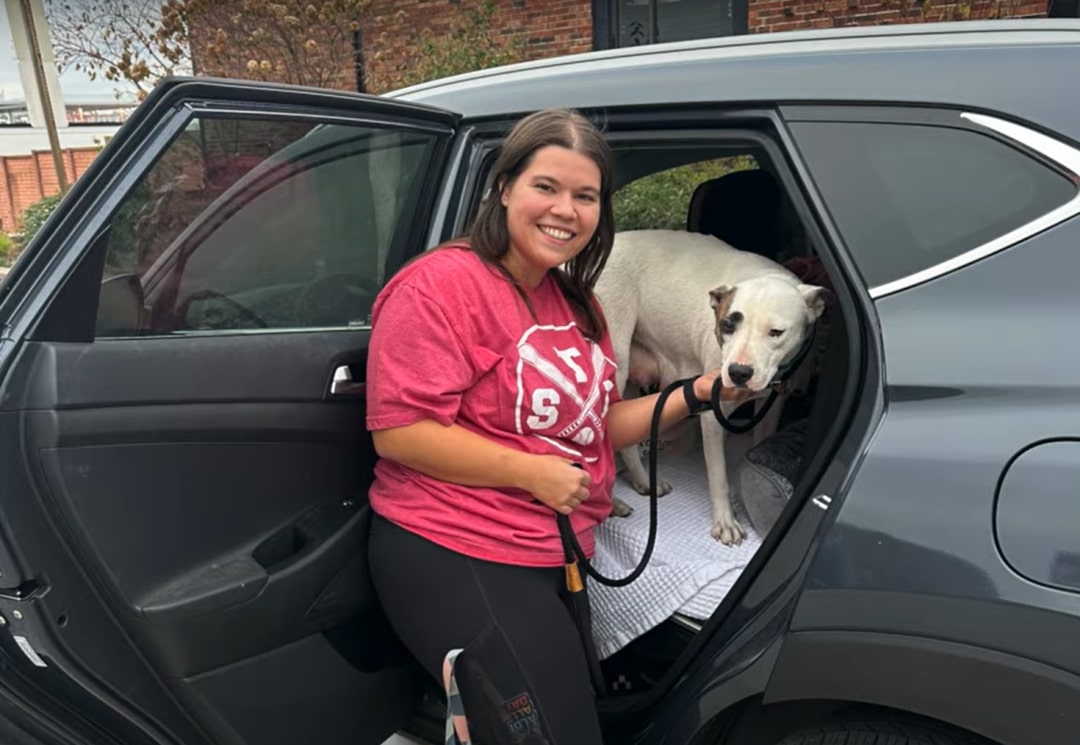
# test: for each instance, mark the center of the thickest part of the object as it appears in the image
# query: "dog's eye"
(727, 327)
(776, 332)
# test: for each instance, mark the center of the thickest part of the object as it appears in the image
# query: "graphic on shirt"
(564, 385)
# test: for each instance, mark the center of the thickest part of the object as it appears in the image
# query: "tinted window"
(907, 197)
(257, 224)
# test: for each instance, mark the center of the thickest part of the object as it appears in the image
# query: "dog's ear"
(815, 299)
(720, 296)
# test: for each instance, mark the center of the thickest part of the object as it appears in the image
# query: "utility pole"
(27, 21)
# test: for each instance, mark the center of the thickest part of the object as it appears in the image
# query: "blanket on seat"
(690, 572)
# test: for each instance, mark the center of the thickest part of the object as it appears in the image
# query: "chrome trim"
(687, 622)
(342, 384)
(1064, 155)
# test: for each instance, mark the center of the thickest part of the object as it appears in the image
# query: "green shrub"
(36, 215)
(660, 200)
(472, 42)
(8, 250)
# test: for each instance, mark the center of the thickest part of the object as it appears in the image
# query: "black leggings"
(523, 656)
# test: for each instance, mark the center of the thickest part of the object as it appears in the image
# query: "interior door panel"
(189, 487)
(220, 490)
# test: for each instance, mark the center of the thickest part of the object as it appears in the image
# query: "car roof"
(1002, 65)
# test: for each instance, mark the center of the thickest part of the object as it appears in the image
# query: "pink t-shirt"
(454, 342)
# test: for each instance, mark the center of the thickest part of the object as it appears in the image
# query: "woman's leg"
(523, 675)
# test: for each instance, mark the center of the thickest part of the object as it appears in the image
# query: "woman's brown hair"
(490, 238)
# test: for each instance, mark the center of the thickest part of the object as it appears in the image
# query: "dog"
(679, 304)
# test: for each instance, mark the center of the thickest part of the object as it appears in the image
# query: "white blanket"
(690, 572)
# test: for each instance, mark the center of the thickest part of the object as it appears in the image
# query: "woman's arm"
(629, 420)
(457, 455)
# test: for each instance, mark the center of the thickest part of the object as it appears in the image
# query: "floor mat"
(690, 573)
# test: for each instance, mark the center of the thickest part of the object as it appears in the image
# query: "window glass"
(249, 224)
(906, 197)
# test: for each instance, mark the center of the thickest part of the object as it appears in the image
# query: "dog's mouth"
(754, 384)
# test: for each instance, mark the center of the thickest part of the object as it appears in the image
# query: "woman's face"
(552, 210)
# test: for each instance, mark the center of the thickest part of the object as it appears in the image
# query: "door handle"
(342, 383)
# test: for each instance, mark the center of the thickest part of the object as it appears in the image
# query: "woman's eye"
(776, 332)
(587, 198)
(545, 187)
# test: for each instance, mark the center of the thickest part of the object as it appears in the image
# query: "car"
(182, 356)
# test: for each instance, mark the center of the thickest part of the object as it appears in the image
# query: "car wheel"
(881, 731)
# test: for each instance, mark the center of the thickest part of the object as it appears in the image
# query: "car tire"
(881, 731)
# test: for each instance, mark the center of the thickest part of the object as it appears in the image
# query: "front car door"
(182, 442)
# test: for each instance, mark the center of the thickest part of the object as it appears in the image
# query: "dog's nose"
(739, 374)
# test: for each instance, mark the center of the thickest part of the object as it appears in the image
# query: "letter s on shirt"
(545, 402)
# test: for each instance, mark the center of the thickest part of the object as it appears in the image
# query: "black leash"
(572, 551)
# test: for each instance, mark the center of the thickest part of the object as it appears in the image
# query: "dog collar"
(785, 371)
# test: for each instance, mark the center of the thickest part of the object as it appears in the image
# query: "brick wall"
(551, 27)
(546, 28)
(26, 179)
(539, 28)
(391, 29)
(789, 15)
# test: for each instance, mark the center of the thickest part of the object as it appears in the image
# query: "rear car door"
(183, 455)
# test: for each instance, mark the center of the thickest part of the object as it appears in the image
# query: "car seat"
(743, 208)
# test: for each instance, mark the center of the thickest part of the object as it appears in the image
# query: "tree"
(295, 41)
(115, 40)
(141, 41)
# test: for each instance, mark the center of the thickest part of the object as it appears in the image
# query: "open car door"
(183, 455)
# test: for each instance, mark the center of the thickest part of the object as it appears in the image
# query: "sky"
(74, 85)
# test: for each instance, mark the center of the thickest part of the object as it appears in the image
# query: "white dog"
(679, 304)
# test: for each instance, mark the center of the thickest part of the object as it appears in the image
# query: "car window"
(906, 197)
(661, 199)
(247, 224)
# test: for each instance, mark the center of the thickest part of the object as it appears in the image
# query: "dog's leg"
(725, 528)
(620, 508)
(621, 331)
(637, 477)
(637, 473)
(642, 371)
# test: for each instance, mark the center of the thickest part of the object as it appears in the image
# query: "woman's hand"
(629, 420)
(703, 389)
(558, 483)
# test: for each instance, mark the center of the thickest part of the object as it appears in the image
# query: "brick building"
(389, 40)
(544, 28)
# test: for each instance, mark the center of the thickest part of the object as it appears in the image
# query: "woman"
(492, 405)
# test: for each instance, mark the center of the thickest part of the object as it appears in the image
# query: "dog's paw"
(728, 531)
(642, 488)
(620, 508)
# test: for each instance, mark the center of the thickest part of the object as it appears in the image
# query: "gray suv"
(184, 464)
